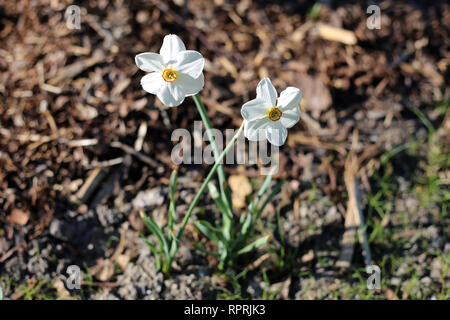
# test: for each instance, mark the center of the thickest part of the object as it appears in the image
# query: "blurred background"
(82, 146)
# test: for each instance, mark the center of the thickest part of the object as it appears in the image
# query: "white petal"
(149, 61)
(290, 117)
(172, 44)
(190, 85)
(255, 130)
(289, 98)
(177, 91)
(254, 109)
(288, 102)
(152, 82)
(171, 94)
(276, 133)
(267, 92)
(189, 62)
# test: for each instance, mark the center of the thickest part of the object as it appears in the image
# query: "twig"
(91, 183)
(81, 142)
(142, 131)
(139, 155)
(104, 164)
(354, 220)
(362, 230)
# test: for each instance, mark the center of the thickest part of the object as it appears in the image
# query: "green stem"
(220, 171)
(205, 183)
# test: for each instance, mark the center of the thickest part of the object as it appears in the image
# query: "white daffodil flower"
(269, 117)
(175, 73)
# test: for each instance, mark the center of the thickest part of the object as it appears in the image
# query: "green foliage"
(315, 11)
(167, 240)
(232, 236)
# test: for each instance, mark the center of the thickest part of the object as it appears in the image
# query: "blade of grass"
(208, 230)
(274, 192)
(214, 193)
(153, 249)
(220, 171)
(206, 181)
(422, 118)
(199, 248)
(255, 244)
(262, 190)
(156, 230)
(172, 190)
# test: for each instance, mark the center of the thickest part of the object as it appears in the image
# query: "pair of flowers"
(176, 73)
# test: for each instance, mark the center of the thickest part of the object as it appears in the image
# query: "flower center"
(169, 75)
(274, 114)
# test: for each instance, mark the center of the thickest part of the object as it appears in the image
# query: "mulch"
(71, 106)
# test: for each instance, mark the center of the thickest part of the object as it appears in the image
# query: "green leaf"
(228, 200)
(207, 180)
(173, 246)
(227, 228)
(422, 118)
(255, 244)
(247, 223)
(254, 213)
(315, 10)
(262, 190)
(208, 126)
(200, 248)
(215, 195)
(208, 230)
(213, 192)
(269, 198)
(172, 190)
(280, 229)
(156, 230)
(153, 249)
(223, 256)
(173, 183)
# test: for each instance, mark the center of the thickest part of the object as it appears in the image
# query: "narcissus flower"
(175, 73)
(269, 117)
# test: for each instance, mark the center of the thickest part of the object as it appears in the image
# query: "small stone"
(426, 281)
(148, 198)
(61, 290)
(123, 260)
(104, 270)
(436, 269)
(108, 217)
(82, 209)
(395, 281)
(136, 221)
(18, 216)
(307, 257)
(60, 230)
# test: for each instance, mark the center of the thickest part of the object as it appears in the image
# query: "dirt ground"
(375, 118)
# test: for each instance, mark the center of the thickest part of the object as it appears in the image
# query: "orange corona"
(274, 114)
(169, 75)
